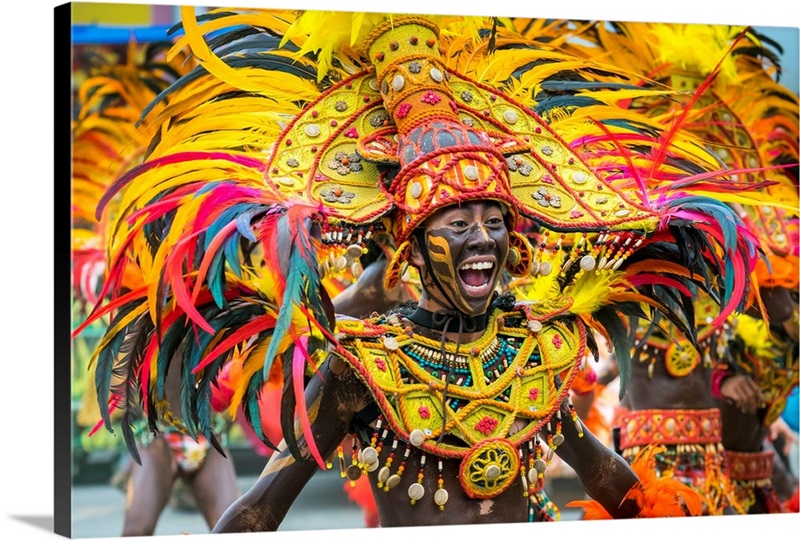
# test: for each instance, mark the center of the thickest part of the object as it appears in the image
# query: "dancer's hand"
(779, 429)
(743, 392)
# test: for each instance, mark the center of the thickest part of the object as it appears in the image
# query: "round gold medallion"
(681, 359)
(489, 468)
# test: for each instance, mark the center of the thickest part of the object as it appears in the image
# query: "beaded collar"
(509, 373)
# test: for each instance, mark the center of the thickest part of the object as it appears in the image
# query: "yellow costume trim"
(769, 359)
(509, 373)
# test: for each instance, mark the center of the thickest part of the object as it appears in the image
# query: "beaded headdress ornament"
(409, 136)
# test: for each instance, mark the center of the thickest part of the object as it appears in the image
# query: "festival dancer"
(752, 388)
(720, 82)
(458, 402)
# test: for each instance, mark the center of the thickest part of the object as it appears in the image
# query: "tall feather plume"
(106, 142)
(731, 104)
(599, 111)
(736, 103)
(198, 211)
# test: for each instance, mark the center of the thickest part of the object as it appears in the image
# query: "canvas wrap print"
(339, 270)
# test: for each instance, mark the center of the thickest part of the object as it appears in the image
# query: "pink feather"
(299, 360)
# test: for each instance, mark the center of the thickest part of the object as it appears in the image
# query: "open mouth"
(476, 277)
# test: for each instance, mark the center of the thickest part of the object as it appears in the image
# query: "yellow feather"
(212, 63)
(592, 290)
(695, 47)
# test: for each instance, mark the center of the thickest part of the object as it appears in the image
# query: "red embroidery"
(486, 425)
(424, 412)
(381, 364)
(352, 133)
(431, 98)
(402, 110)
(557, 341)
(533, 394)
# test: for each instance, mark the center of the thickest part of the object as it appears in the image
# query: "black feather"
(607, 316)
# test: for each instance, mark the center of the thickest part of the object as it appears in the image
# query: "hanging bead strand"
(354, 470)
(441, 495)
(342, 466)
(417, 490)
(385, 472)
(575, 420)
(394, 479)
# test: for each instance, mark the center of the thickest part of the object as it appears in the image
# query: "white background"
(26, 211)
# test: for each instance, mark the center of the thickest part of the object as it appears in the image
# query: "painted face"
(467, 247)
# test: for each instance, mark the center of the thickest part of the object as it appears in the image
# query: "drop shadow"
(46, 523)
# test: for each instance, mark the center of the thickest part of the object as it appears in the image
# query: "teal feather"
(288, 406)
(102, 377)
(297, 262)
(291, 297)
(252, 407)
(231, 250)
(170, 343)
(106, 364)
(128, 436)
(215, 279)
(620, 339)
(232, 254)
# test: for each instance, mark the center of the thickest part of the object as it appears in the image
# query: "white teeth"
(478, 266)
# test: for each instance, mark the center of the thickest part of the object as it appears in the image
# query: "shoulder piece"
(349, 328)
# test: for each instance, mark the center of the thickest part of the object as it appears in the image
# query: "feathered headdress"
(269, 174)
(727, 93)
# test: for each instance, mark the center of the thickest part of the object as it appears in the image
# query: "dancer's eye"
(494, 221)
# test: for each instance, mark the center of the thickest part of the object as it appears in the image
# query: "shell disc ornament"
(489, 469)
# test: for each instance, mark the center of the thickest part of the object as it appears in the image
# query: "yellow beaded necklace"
(509, 373)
